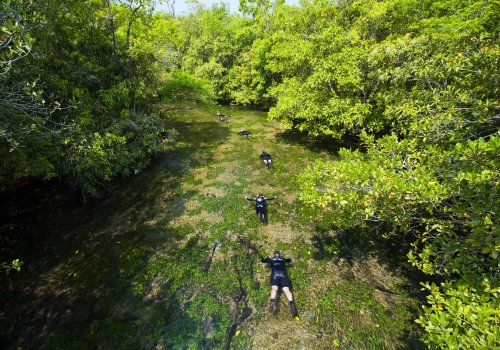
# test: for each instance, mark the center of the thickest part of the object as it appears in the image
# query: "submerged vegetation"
(170, 260)
(386, 165)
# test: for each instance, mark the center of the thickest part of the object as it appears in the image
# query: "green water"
(170, 260)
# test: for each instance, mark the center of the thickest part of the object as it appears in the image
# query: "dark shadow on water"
(332, 245)
(107, 242)
(318, 143)
(351, 245)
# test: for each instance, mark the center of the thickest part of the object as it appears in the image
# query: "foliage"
(230, 51)
(14, 265)
(128, 146)
(427, 175)
(179, 85)
(79, 105)
(462, 317)
(262, 11)
(374, 66)
(15, 42)
(443, 202)
(324, 88)
(246, 77)
(208, 51)
(24, 124)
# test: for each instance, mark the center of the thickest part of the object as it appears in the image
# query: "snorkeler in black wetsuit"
(279, 279)
(244, 132)
(266, 157)
(261, 206)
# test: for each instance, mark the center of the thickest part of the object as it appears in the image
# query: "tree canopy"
(76, 89)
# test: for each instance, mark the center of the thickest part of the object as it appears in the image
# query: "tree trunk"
(113, 29)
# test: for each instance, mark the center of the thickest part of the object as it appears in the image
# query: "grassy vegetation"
(172, 259)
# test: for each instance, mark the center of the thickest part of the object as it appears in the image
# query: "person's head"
(260, 195)
(264, 152)
(278, 254)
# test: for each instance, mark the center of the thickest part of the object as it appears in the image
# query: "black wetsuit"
(279, 276)
(265, 156)
(260, 204)
(244, 133)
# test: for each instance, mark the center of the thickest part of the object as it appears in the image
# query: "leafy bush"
(426, 176)
(14, 265)
(462, 318)
(180, 85)
(125, 148)
(440, 201)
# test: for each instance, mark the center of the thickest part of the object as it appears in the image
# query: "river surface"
(170, 258)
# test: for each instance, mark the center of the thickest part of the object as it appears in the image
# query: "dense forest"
(409, 89)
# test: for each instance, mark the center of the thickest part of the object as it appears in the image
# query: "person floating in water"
(244, 132)
(222, 117)
(279, 279)
(266, 157)
(261, 206)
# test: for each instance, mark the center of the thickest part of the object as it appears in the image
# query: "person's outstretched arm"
(250, 199)
(265, 260)
(270, 199)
